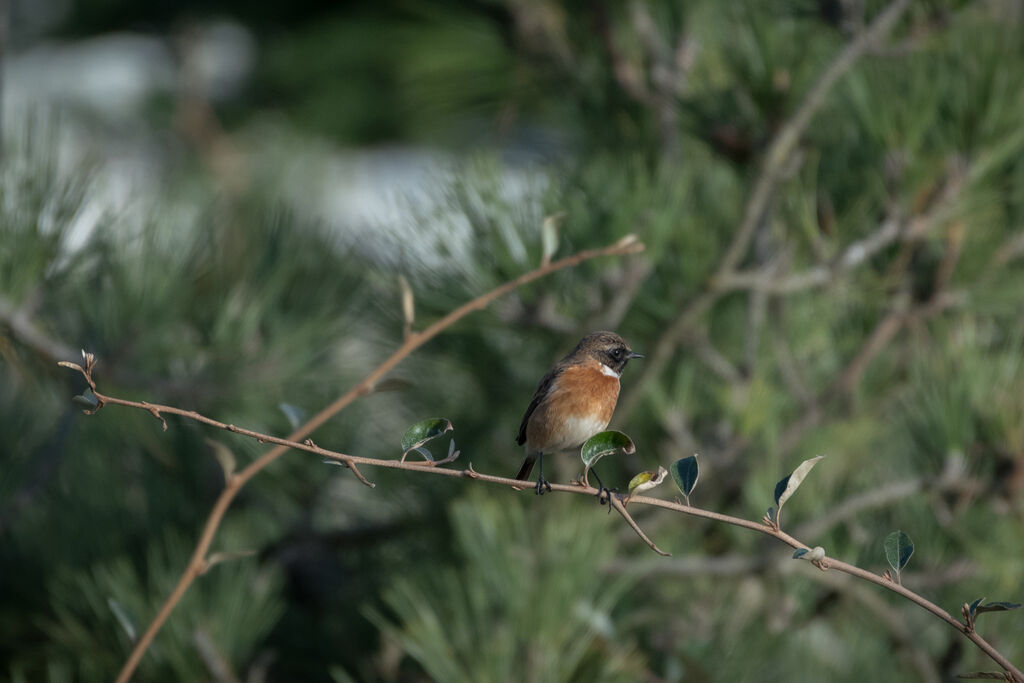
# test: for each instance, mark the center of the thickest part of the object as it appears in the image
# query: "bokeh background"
(217, 199)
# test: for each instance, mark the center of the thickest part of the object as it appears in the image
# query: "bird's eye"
(617, 354)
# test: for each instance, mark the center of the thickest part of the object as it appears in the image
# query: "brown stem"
(621, 509)
(627, 245)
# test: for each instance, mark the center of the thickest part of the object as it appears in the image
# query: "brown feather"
(538, 396)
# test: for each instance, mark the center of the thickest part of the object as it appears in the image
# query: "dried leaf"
(549, 236)
(815, 554)
(408, 302)
(645, 481)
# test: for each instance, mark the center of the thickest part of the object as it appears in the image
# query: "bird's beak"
(634, 354)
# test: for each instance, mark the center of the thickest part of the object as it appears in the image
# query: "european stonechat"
(573, 401)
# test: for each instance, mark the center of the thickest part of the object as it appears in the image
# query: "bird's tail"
(527, 467)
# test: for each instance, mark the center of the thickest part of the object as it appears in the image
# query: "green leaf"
(424, 431)
(685, 473)
(974, 605)
(996, 607)
(296, 415)
(87, 399)
(898, 549)
(645, 481)
(788, 485)
(605, 443)
(800, 553)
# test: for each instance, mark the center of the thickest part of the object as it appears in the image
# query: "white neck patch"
(605, 370)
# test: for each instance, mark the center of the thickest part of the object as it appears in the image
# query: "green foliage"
(523, 603)
(233, 609)
(238, 295)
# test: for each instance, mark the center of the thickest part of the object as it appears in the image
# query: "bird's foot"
(542, 486)
(604, 495)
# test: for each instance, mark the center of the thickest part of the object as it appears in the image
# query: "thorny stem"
(412, 341)
(825, 563)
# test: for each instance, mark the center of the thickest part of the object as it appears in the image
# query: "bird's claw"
(542, 486)
(604, 495)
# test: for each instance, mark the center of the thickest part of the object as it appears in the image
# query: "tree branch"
(825, 563)
(776, 160)
(24, 330)
(627, 245)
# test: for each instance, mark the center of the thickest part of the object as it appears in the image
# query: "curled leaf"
(605, 443)
(996, 607)
(423, 431)
(788, 485)
(685, 473)
(645, 481)
(815, 554)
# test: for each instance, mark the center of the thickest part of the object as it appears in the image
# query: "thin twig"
(626, 245)
(614, 501)
(24, 329)
(826, 563)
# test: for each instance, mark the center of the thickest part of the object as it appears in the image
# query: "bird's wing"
(542, 392)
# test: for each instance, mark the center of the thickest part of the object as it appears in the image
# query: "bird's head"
(605, 347)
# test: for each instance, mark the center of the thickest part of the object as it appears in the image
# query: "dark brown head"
(605, 347)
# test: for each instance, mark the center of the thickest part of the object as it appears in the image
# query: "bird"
(573, 402)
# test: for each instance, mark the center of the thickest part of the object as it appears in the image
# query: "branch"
(614, 501)
(414, 340)
(818, 276)
(23, 329)
(825, 563)
(772, 171)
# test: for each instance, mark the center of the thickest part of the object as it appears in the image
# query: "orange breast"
(579, 405)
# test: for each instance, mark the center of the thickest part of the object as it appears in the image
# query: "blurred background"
(217, 199)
